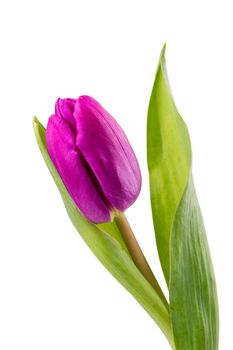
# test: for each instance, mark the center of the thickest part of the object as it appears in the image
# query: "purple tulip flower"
(93, 157)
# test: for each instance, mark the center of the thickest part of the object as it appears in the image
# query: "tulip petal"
(108, 152)
(71, 166)
(64, 108)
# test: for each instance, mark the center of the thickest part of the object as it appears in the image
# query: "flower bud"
(93, 157)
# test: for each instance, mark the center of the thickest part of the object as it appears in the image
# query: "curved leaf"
(112, 229)
(180, 234)
(193, 297)
(169, 159)
(110, 250)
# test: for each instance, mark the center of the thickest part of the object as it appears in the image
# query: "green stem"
(137, 254)
(142, 265)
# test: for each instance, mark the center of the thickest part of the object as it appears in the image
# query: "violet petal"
(64, 108)
(69, 162)
(108, 152)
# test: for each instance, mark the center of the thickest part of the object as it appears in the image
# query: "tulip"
(93, 157)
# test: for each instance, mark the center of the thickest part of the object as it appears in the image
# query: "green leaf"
(193, 297)
(112, 229)
(109, 248)
(169, 159)
(180, 234)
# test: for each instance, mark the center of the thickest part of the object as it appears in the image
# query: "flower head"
(93, 157)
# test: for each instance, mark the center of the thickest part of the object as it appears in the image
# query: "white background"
(54, 294)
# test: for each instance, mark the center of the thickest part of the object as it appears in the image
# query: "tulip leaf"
(169, 160)
(180, 234)
(109, 249)
(193, 297)
(112, 229)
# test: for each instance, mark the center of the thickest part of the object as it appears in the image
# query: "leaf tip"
(162, 59)
(36, 124)
(162, 54)
(35, 121)
(39, 130)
